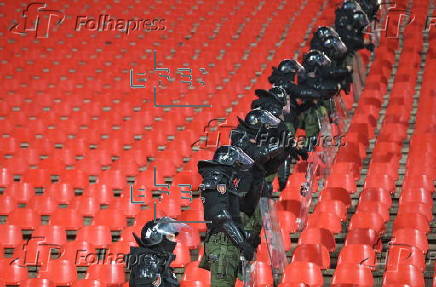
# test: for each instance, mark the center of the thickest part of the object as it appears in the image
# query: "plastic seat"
(7, 204)
(183, 256)
(82, 253)
(194, 215)
(315, 253)
(12, 272)
(353, 274)
(88, 283)
(345, 181)
(100, 191)
(367, 220)
(11, 236)
(37, 282)
(420, 195)
(110, 274)
(51, 234)
(25, 218)
(43, 204)
(189, 238)
(404, 274)
(318, 236)
(112, 218)
(68, 218)
(37, 177)
(365, 236)
(336, 193)
(380, 181)
(194, 273)
(411, 237)
(335, 207)
(77, 178)
(263, 274)
(22, 192)
(126, 206)
(357, 254)
(99, 235)
(114, 179)
(411, 220)
(303, 272)
(325, 220)
(374, 207)
(416, 207)
(86, 205)
(61, 272)
(404, 255)
(61, 192)
(376, 194)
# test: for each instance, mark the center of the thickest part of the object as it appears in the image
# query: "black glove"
(298, 154)
(252, 238)
(302, 152)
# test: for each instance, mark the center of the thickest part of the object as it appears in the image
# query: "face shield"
(360, 20)
(337, 49)
(169, 226)
(233, 156)
(243, 161)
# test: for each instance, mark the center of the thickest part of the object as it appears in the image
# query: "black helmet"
(289, 67)
(276, 94)
(360, 19)
(351, 5)
(232, 156)
(255, 119)
(325, 32)
(334, 48)
(315, 60)
(154, 231)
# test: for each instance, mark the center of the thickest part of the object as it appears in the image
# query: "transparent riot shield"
(273, 236)
(327, 151)
(358, 76)
(248, 273)
(341, 116)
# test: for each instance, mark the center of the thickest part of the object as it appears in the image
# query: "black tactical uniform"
(226, 240)
(150, 261)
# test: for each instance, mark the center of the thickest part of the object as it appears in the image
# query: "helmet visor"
(169, 226)
(243, 160)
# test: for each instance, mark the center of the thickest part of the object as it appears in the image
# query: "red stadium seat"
(25, 218)
(315, 253)
(82, 253)
(353, 274)
(22, 192)
(376, 194)
(183, 256)
(416, 207)
(61, 272)
(357, 254)
(404, 274)
(7, 204)
(318, 236)
(101, 191)
(325, 220)
(335, 207)
(365, 236)
(86, 205)
(99, 235)
(404, 255)
(194, 273)
(411, 237)
(303, 272)
(37, 282)
(367, 220)
(88, 283)
(51, 234)
(372, 206)
(411, 220)
(43, 204)
(336, 193)
(62, 192)
(11, 236)
(110, 274)
(68, 218)
(12, 272)
(110, 217)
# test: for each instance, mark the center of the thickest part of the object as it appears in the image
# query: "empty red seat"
(7, 204)
(110, 274)
(318, 236)
(62, 192)
(112, 218)
(420, 195)
(51, 234)
(189, 238)
(303, 272)
(353, 274)
(315, 253)
(12, 272)
(60, 271)
(404, 255)
(86, 205)
(357, 254)
(336, 193)
(194, 273)
(126, 206)
(43, 204)
(345, 181)
(37, 177)
(364, 236)
(183, 256)
(376, 194)
(37, 282)
(404, 274)
(22, 192)
(82, 253)
(411, 220)
(367, 220)
(99, 235)
(115, 179)
(11, 236)
(372, 206)
(101, 191)
(411, 237)
(416, 207)
(25, 218)
(88, 283)
(325, 220)
(68, 218)
(335, 207)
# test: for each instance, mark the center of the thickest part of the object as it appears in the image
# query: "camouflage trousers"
(222, 259)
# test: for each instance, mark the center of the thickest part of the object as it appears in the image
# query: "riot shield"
(248, 273)
(273, 236)
(358, 76)
(341, 116)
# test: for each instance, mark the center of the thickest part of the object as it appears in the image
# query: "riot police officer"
(350, 23)
(150, 261)
(226, 240)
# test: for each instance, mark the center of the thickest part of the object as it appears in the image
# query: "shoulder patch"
(221, 188)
